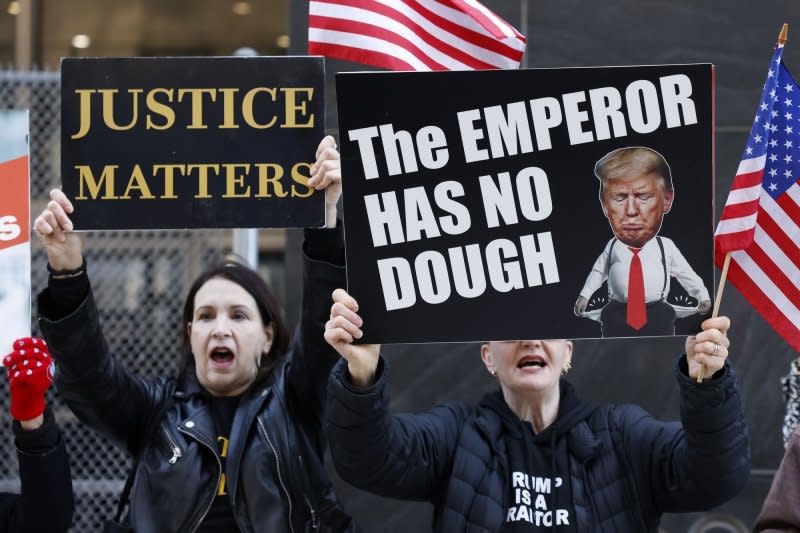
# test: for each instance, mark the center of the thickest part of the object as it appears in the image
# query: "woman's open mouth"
(222, 357)
(532, 362)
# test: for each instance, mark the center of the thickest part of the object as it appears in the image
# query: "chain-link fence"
(139, 281)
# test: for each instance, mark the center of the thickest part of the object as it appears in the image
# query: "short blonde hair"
(631, 162)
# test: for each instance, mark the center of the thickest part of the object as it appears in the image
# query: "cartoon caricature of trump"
(635, 193)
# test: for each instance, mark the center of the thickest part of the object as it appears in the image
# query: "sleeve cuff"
(344, 376)
(322, 244)
(64, 295)
(39, 440)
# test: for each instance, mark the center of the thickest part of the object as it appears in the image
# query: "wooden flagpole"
(781, 41)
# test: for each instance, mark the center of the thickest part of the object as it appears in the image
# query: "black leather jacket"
(275, 475)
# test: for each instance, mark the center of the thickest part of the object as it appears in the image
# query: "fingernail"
(359, 334)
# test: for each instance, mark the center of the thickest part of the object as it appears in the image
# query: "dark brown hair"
(268, 309)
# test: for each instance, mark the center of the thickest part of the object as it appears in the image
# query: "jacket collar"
(583, 443)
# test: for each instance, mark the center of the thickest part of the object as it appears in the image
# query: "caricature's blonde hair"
(630, 163)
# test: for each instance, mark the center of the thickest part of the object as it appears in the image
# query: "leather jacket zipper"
(314, 522)
(278, 468)
(176, 452)
(219, 476)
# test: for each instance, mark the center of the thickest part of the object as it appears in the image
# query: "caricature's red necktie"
(637, 311)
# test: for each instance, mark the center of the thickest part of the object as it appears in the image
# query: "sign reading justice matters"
(528, 204)
(191, 142)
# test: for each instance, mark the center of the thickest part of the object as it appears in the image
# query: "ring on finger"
(716, 350)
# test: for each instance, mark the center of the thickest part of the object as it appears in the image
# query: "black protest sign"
(473, 208)
(191, 142)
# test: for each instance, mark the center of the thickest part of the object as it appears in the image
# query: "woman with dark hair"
(234, 442)
(533, 456)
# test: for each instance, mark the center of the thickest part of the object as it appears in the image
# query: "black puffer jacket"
(626, 468)
(275, 475)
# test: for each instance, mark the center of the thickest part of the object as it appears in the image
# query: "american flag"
(413, 34)
(760, 224)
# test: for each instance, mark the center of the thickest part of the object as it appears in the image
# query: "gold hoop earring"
(566, 369)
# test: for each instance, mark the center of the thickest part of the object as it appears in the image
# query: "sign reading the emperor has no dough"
(473, 210)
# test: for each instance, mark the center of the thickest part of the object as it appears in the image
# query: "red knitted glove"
(30, 372)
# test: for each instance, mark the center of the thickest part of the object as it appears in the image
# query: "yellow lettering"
(108, 108)
(221, 489)
(202, 177)
(224, 452)
(301, 179)
(169, 179)
(86, 176)
(137, 182)
(227, 108)
(85, 107)
(160, 109)
(197, 105)
(264, 180)
(290, 121)
(247, 107)
(232, 180)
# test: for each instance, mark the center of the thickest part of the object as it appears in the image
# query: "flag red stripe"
(748, 179)
(776, 275)
(479, 16)
(776, 233)
(358, 55)
(789, 207)
(734, 241)
(361, 28)
(739, 210)
(484, 41)
(745, 285)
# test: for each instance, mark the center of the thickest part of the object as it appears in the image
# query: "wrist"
(361, 377)
(330, 216)
(64, 268)
(33, 423)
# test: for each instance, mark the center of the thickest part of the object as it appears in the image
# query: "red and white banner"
(15, 253)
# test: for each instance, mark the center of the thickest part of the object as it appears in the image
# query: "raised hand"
(340, 332)
(30, 373)
(54, 229)
(326, 174)
(706, 352)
